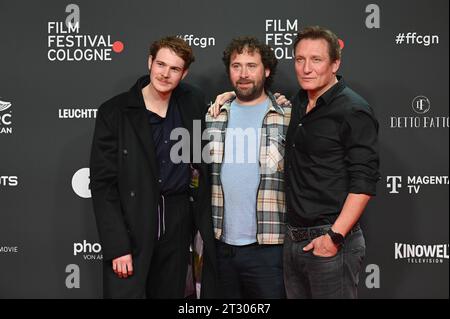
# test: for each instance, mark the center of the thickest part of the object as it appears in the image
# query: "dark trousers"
(251, 271)
(168, 269)
(308, 276)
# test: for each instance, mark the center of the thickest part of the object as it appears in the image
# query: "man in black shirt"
(332, 169)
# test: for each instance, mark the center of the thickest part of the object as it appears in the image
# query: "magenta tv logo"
(393, 183)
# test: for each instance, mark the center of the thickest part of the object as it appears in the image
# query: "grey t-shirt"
(240, 172)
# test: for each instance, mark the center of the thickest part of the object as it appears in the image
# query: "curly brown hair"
(177, 45)
(252, 44)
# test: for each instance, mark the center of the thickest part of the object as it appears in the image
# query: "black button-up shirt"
(331, 151)
(173, 177)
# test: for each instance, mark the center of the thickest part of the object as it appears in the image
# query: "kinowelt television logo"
(421, 253)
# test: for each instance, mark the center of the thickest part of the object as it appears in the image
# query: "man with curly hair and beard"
(248, 205)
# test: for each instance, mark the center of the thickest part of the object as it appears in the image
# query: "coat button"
(125, 152)
(293, 145)
(301, 124)
(132, 194)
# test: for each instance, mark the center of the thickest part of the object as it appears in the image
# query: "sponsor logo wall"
(70, 58)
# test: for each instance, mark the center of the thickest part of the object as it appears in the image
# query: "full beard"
(250, 94)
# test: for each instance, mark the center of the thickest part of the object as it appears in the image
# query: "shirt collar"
(137, 100)
(273, 106)
(327, 97)
(330, 94)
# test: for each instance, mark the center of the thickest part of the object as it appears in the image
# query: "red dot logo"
(341, 43)
(117, 46)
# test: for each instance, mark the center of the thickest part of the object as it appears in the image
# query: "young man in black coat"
(147, 203)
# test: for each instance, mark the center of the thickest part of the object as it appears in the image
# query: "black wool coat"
(125, 191)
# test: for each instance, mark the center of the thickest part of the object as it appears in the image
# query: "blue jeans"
(251, 271)
(307, 276)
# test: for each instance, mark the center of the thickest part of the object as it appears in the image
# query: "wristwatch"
(337, 238)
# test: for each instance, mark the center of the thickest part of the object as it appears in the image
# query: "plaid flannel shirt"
(270, 201)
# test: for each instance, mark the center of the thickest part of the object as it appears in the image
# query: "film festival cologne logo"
(5, 117)
(280, 35)
(66, 42)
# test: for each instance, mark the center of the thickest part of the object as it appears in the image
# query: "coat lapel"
(136, 113)
(141, 126)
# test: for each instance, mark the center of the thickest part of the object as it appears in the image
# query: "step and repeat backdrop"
(53, 78)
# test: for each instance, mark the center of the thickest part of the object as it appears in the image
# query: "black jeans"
(309, 276)
(251, 271)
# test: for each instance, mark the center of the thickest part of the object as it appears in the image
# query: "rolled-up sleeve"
(359, 134)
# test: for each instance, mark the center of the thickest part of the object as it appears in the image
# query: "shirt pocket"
(272, 159)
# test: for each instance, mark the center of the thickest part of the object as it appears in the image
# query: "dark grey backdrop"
(41, 218)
